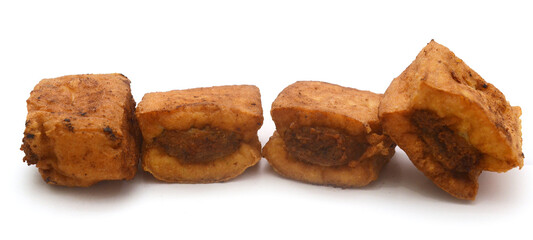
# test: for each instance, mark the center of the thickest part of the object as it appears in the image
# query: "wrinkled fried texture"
(81, 129)
(327, 134)
(200, 135)
(451, 123)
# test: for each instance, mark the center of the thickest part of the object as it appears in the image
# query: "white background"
(162, 45)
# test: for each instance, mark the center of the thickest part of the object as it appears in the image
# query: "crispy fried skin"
(327, 134)
(450, 122)
(81, 129)
(200, 135)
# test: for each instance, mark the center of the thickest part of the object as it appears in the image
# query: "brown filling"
(198, 145)
(453, 152)
(323, 146)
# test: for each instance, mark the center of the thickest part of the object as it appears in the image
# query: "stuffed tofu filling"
(323, 146)
(198, 145)
(449, 149)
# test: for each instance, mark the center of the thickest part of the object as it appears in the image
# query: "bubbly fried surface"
(201, 135)
(81, 129)
(327, 134)
(451, 123)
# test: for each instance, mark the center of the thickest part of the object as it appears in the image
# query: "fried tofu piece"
(327, 134)
(200, 135)
(451, 123)
(81, 129)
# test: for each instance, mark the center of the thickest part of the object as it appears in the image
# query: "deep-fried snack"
(81, 129)
(450, 122)
(200, 135)
(327, 134)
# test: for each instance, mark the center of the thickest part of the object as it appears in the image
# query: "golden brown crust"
(81, 129)
(349, 119)
(235, 108)
(232, 113)
(245, 98)
(439, 82)
(313, 103)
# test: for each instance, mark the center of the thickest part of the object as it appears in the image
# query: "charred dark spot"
(83, 114)
(455, 77)
(107, 129)
(30, 157)
(253, 104)
(522, 155)
(27, 123)
(485, 85)
(109, 132)
(30, 136)
(48, 180)
(69, 125)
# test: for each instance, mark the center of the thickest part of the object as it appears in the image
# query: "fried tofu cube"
(200, 135)
(451, 123)
(327, 134)
(81, 129)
